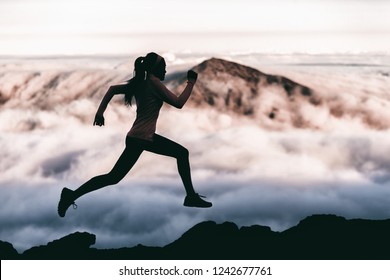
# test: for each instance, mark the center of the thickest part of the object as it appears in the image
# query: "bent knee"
(113, 178)
(183, 153)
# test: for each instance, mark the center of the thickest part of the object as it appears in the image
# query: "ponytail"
(142, 66)
(139, 69)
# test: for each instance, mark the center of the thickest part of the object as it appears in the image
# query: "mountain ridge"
(228, 86)
(272, 102)
(315, 237)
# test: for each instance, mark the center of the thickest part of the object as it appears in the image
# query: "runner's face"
(161, 70)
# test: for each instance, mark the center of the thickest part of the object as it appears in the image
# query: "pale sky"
(124, 26)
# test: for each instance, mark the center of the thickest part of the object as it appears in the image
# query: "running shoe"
(66, 200)
(196, 200)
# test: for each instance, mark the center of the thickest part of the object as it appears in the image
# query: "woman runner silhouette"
(149, 94)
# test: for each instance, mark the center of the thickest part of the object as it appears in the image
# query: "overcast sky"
(123, 26)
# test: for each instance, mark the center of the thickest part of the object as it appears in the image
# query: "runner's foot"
(196, 200)
(66, 200)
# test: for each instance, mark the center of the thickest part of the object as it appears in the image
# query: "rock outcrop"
(317, 237)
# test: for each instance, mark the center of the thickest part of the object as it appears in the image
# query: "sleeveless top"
(149, 101)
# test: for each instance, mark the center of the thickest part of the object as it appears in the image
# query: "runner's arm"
(170, 97)
(113, 90)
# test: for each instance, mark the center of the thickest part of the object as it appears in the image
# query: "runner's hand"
(99, 120)
(192, 76)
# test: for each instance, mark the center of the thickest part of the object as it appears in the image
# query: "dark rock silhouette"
(205, 240)
(316, 237)
(7, 251)
(73, 246)
(329, 236)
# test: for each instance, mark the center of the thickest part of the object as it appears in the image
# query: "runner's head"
(152, 63)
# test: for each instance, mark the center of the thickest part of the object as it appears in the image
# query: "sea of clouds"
(253, 175)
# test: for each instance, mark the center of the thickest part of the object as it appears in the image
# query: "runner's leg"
(125, 162)
(166, 147)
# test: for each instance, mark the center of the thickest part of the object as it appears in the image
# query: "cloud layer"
(252, 175)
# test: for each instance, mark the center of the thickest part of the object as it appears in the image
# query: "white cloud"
(252, 175)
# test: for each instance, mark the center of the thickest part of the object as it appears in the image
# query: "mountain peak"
(229, 87)
(217, 65)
